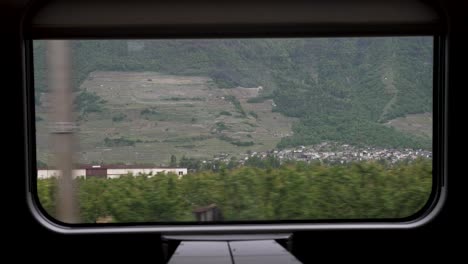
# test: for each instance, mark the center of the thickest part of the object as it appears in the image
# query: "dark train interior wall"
(25, 234)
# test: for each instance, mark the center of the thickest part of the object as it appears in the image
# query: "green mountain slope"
(340, 89)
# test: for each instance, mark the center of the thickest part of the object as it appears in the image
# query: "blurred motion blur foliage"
(293, 191)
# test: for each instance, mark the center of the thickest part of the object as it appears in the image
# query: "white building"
(111, 171)
(44, 173)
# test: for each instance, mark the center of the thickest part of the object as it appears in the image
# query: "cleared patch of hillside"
(417, 124)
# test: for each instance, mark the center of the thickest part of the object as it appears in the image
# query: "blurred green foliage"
(296, 190)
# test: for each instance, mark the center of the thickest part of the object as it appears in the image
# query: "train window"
(306, 118)
(262, 129)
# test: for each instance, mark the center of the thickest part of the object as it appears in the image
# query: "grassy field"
(164, 115)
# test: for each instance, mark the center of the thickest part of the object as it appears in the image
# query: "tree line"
(294, 191)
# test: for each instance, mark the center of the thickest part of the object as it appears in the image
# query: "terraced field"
(148, 116)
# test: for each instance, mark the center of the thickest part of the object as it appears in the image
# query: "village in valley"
(332, 152)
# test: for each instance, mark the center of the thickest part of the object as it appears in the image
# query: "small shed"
(208, 213)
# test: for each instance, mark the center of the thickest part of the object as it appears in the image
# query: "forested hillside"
(340, 89)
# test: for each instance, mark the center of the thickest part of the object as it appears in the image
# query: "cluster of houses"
(336, 153)
(328, 152)
(110, 171)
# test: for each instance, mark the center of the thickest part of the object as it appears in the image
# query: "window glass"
(233, 129)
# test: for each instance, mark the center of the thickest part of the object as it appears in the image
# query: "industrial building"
(110, 171)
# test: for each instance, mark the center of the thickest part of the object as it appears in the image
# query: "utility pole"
(59, 79)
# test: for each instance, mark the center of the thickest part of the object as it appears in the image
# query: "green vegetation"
(190, 163)
(223, 80)
(226, 113)
(355, 131)
(119, 142)
(263, 192)
(183, 99)
(188, 139)
(236, 104)
(220, 126)
(236, 142)
(88, 102)
(173, 162)
(148, 111)
(119, 117)
(153, 114)
(258, 99)
(252, 113)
